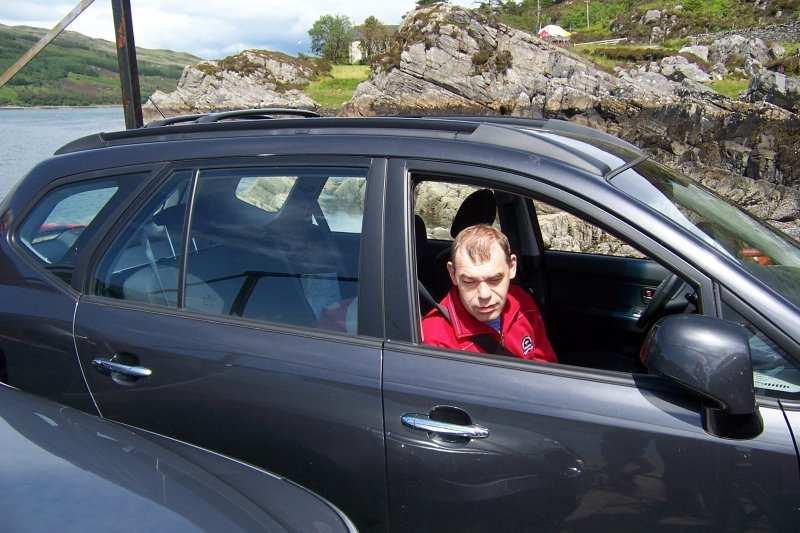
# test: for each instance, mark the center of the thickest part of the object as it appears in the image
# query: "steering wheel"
(666, 291)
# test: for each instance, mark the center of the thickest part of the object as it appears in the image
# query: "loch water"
(30, 135)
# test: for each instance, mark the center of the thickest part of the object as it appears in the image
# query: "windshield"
(768, 254)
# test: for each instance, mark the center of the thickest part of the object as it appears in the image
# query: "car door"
(555, 447)
(596, 284)
(243, 327)
(44, 226)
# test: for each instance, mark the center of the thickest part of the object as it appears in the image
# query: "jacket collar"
(466, 325)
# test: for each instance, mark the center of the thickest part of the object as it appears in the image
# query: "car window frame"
(73, 289)
(402, 299)
(370, 310)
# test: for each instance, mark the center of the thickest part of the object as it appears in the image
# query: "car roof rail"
(265, 113)
(563, 127)
(246, 114)
(191, 127)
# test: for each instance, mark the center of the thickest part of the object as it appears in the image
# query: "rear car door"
(235, 309)
(45, 224)
(556, 447)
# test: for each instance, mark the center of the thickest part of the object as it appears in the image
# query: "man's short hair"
(477, 241)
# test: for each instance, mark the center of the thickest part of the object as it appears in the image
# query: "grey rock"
(776, 88)
(697, 50)
(651, 16)
(657, 34)
(776, 51)
(251, 79)
(736, 48)
(722, 142)
(719, 71)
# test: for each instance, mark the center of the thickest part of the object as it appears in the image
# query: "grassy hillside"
(333, 90)
(620, 18)
(78, 70)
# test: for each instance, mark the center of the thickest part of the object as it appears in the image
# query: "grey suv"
(253, 284)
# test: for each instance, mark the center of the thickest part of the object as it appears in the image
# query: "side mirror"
(708, 356)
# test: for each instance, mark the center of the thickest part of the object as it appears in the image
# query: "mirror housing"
(708, 356)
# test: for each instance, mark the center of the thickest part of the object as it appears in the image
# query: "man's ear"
(512, 267)
(451, 269)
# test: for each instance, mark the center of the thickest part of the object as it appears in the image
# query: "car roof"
(572, 144)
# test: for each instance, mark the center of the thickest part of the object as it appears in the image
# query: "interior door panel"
(595, 300)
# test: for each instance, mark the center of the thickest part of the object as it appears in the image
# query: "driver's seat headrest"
(479, 207)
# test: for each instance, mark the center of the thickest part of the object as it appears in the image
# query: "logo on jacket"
(527, 345)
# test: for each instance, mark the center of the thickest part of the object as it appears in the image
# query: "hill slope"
(621, 18)
(78, 70)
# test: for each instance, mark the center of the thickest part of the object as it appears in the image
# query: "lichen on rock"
(249, 79)
(444, 63)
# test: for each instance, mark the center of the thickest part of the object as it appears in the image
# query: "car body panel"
(569, 448)
(64, 470)
(566, 452)
(306, 407)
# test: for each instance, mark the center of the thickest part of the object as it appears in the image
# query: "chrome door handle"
(128, 370)
(423, 423)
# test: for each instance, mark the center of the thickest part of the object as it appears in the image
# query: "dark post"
(128, 68)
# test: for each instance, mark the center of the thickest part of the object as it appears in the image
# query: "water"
(27, 136)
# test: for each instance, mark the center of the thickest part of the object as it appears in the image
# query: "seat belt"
(484, 341)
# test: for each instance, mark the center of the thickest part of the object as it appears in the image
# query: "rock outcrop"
(449, 60)
(776, 88)
(250, 79)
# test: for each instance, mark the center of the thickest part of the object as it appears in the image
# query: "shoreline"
(98, 106)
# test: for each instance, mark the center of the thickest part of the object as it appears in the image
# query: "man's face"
(483, 287)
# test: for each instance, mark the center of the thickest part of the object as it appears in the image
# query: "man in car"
(483, 312)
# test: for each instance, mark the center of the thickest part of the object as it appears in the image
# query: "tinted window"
(438, 202)
(64, 218)
(564, 232)
(297, 265)
(774, 372)
(144, 262)
(267, 193)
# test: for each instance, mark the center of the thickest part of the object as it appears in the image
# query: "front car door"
(238, 298)
(565, 448)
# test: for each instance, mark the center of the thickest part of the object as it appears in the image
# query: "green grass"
(336, 89)
(77, 70)
(730, 88)
(790, 47)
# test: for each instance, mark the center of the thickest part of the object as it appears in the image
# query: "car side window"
(774, 373)
(144, 262)
(290, 265)
(436, 203)
(564, 232)
(66, 216)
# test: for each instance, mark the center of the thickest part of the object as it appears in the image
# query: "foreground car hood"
(63, 470)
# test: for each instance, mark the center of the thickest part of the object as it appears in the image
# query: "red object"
(523, 334)
(757, 255)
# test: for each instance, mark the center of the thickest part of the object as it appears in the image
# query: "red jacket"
(523, 332)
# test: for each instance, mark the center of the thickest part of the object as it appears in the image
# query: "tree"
(331, 36)
(375, 38)
(423, 3)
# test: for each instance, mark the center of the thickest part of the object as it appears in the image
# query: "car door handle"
(424, 423)
(128, 370)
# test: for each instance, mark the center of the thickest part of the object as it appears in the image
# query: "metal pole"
(538, 16)
(44, 41)
(128, 67)
(587, 14)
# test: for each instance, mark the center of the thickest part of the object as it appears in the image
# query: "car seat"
(480, 207)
